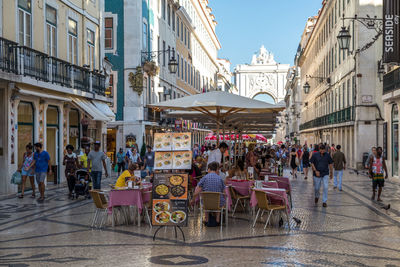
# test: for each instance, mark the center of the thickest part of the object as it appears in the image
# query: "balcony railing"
(8, 56)
(340, 116)
(391, 81)
(23, 60)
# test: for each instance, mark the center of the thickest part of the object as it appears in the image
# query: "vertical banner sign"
(391, 31)
(385, 140)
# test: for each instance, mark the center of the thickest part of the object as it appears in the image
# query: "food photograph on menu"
(163, 141)
(170, 196)
(181, 141)
(163, 160)
(182, 160)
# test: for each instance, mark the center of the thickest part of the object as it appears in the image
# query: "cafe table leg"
(112, 217)
(138, 214)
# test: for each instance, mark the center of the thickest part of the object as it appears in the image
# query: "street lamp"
(344, 39)
(306, 88)
(173, 64)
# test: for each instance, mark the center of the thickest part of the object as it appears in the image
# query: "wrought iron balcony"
(391, 81)
(22, 60)
(344, 115)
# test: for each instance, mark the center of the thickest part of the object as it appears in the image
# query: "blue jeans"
(96, 179)
(338, 182)
(317, 186)
(150, 169)
(300, 167)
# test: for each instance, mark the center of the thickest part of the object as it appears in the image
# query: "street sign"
(391, 31)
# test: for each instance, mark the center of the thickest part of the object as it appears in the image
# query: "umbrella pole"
(223, 138)
(235, 149)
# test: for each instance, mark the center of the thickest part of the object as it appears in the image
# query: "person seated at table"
(211, 182)
(238, 171)
(126, 175)
(196, 170)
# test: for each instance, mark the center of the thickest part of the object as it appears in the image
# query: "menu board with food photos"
(181, 141)
(162, 141)
(179, 160)
(170, 199)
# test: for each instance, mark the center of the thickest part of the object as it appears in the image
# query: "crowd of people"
(325, 161)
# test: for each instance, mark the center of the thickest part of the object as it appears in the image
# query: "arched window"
(395, 140)
(265, 97)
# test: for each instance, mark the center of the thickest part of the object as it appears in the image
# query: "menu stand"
(176, 233)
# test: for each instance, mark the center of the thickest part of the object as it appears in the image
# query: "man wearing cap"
(96, 158)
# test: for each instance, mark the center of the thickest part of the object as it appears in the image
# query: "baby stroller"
(83, 184)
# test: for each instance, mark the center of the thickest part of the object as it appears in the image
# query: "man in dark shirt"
(339, 163)
(322, 165)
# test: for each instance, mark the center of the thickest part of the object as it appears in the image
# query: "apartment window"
(185, 36)
(188, 40)
(144, 36)
(24, 23)
(173, 19)
(110, 89)
(182, 68)
(169, 14)
(185, 71)
(163, 48)
(108, 33)
(163, 9)
(181, 31)
(178, 65)
(72, 41)
(158, 48)
(348, 93)
(90, 48)
(51, 30)
(177, 25)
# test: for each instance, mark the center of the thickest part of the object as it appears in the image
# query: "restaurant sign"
(391, 31)
(170, 199)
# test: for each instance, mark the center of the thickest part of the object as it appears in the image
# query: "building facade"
(51, 90)
(146, 35)
(262, 79)
(344, 102)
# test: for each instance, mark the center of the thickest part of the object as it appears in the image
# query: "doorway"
(395, 140)
(52, 142)
(25, 132)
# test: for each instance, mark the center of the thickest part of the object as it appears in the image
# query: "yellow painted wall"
(10, 15)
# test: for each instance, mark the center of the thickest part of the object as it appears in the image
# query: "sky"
(244, 25)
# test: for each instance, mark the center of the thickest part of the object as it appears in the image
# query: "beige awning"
(90, 109)
(103, 107)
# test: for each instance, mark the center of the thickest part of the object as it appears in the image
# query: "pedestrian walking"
(120, 161)
(149, 160)
(71, 165)
(306, 161)
(27, 170)
(371, 154)
(322, 166)
(41, 160)
(339, 164)
(133, 156)
(294, 162)
(83, 159)
(377, 165)
(300, 158)
(97, 158)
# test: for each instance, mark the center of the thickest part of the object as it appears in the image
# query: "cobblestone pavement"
(351, 231)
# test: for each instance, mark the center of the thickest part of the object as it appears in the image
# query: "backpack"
(16, 178)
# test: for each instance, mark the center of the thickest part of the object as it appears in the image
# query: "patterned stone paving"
(352, 231)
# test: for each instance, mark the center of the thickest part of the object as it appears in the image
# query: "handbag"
(16, 178)
(297, 161)
(116, 168)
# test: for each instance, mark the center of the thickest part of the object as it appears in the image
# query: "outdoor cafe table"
(283, 182)
(274, 199)
(128, 197)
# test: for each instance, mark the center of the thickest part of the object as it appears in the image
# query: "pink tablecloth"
(129, 197)
(270, 184)
(274, 199)
(242, 187)
(283, 182)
